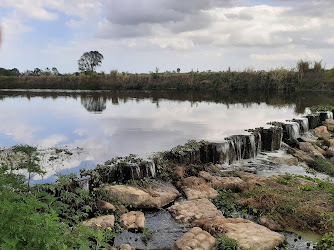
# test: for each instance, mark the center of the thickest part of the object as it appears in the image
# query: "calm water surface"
(108, 124)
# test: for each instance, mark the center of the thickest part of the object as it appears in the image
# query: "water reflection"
(140, 122)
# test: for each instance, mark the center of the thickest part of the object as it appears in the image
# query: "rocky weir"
(173, 201)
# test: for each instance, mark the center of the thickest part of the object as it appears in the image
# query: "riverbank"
(279, 79)
(204, 203)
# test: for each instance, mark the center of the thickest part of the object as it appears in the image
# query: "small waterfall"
(292, 130)
(253, 148)
(137, 170)
(152, 169)
(259, 144)
(303, 124)
(330, 115)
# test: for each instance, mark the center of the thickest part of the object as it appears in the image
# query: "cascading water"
(292, 130)
(253, 148)
(303, 124)
(259, 144)
(330, 115)
(151, 166)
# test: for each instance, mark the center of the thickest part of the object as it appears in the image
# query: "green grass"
(323, 166)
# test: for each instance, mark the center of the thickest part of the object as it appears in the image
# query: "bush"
(225, 243)
(326, 242)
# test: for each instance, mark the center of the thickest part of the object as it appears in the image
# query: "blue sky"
(140, 35)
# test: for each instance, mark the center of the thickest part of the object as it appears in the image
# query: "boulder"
(196, 238)
(301, 155)
(252, 180)
(288, 160)
(330, 152)
(249, 234)
(123, 247)
(189, 211)
(268, 222)
(197, 188)
(321, 132)
(329, 124)
(101, 221)
(134, 220)
(308, 148)
(104, 205)
(157, 196)
(233, 183)
(329, 142)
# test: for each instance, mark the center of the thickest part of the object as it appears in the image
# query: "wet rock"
(232, 183)
(268, 222)
(157, 196)
(197, 188)
(330, 152)
(195, 239)
(288, 160)
(104, 205)
(103, 221)
(189, 211)
(249, 234)
(271, 138)
(308, 148)
(321, 132)
(301, 155)
(134, 220)
(313, 120)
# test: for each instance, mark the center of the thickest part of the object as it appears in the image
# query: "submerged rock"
(157, 196)
(101, 221)
(249, 234)
(189, 211)
(195, 239)
(134, 220)
(197, 188)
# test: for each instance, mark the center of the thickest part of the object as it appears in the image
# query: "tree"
(89, 61)
(37, 72)
(178, 70)
(55, 71)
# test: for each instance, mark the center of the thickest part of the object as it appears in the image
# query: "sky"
(138, 36)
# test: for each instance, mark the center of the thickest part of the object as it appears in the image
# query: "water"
(102, 125)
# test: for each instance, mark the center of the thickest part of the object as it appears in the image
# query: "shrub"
(323, 166)
(326, 242)
(225, 243)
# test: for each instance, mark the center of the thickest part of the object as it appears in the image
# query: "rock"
(178, 173)
(104, 205)
(304, 182)
(301, 155)
(332, 160)
(321, 132)
(103, 221)
(249, 234)
(123, 247)
(329, 124)
(197, 188)
(252, 180)
(271, 138)
(308, 148)
(313, 120)
(233, 183)
(268, 222)
(190, 211)
(196, 238)
(288, 160)
(330, 152)
(134, 220)
(329, 142)
(157, 196)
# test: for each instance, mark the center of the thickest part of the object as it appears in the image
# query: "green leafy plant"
(326, 242)
(225, 243)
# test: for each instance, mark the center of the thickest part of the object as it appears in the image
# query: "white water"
(292, 129)
(303, 123)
